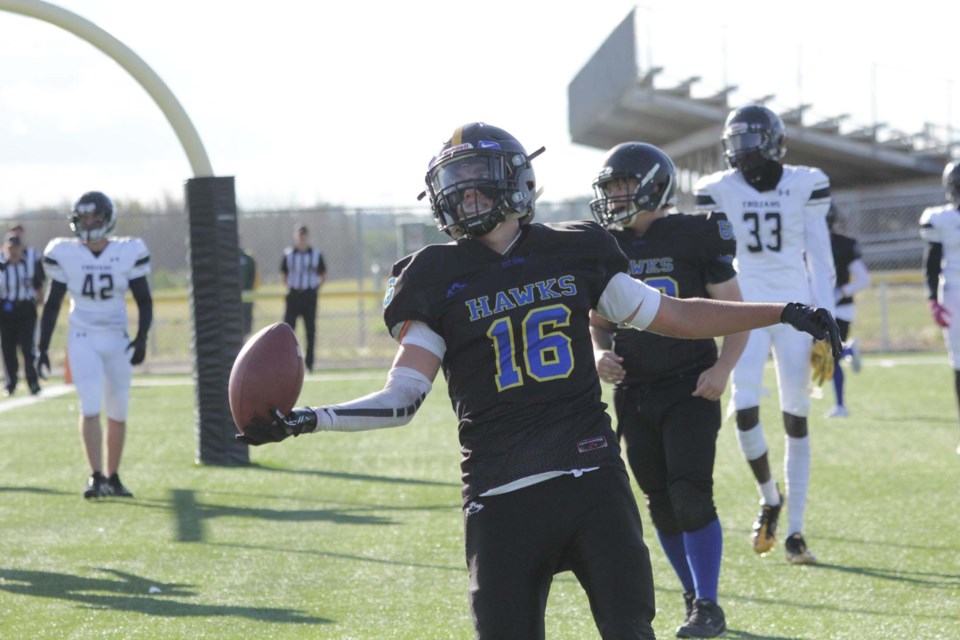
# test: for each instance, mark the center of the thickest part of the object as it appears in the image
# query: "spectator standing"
(940, 227)
(249, 281)
(852, 277)
(303, 272)
(21, 276)
(778, 213)
(97, 269)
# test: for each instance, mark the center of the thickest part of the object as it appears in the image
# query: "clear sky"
(345, 102)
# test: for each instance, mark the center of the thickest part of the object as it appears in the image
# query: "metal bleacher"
(881, 179)
(612, 100)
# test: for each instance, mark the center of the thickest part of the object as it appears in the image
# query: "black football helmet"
(481, 177)
(951, 181)
(93, 217)
(653, 172)
(753, 135)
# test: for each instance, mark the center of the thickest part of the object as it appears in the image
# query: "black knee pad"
(795, 426)
(693, 506)
(661, 513)
(748, 418)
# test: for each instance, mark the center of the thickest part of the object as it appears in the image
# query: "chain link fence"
(360, 246)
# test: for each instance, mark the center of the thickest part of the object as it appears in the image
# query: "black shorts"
(590, 525)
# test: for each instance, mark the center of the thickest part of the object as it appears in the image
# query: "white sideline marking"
(49, 391)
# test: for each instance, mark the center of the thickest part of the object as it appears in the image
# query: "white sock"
(768, 492)
(796, 461)
(752, 443)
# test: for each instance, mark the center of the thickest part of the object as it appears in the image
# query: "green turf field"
(358, 536)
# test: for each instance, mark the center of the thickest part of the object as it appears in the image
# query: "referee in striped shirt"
(21, 285)
(303, 271)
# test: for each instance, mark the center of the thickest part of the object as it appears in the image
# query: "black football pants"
(671, 440)
(18, 322)
(590, 525)
(302, 303)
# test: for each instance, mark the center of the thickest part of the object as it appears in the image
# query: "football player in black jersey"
(667, 394)
(504, 309)
(852, 277)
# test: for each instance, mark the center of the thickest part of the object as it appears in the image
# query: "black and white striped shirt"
(21, 281)
(304, 269)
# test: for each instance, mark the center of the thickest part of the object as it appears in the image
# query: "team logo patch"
(472, 508)
(455, 288)
(591, 444)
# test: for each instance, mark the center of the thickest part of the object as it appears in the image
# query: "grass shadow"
(361, 477)
(347, 556)
(119, 591)
(34, 490)
(191, 515)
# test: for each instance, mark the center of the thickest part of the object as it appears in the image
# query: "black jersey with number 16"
(519, 359)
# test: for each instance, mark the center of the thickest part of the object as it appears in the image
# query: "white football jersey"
(783, 243)
(97, 283)
(942, 224)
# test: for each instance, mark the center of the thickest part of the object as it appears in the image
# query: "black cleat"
(96, 486)
(688, 598)
(765, 528)
(34, 388)
(706, 621)
(115, 488)
(797, 552)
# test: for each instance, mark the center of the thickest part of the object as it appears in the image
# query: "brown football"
(268, 373)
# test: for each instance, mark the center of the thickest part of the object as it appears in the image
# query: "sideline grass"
(358, 536)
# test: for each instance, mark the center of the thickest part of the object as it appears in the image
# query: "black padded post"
(215, 299)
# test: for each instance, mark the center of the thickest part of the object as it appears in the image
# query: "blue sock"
(676, 552)
(838, 383)
(704, 549)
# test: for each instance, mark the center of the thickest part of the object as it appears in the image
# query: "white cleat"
(856, 363)
(837, 412)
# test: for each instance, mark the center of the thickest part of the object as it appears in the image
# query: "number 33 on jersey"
(97, 282)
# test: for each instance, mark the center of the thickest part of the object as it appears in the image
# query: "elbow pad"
(392, 406)
(623, 296)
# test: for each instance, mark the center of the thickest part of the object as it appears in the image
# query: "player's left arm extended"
(704, 318)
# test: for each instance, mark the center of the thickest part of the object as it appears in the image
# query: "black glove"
(300, 420)
(815, 321)
(42, 365)
(139, 347)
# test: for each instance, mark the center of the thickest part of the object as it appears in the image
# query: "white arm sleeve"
(819, 256)
(623, 295)
(860, 278)
(392, 406)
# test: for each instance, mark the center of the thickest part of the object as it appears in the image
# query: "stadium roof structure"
(611, 100)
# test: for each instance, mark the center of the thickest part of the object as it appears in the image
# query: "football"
(268, 373)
